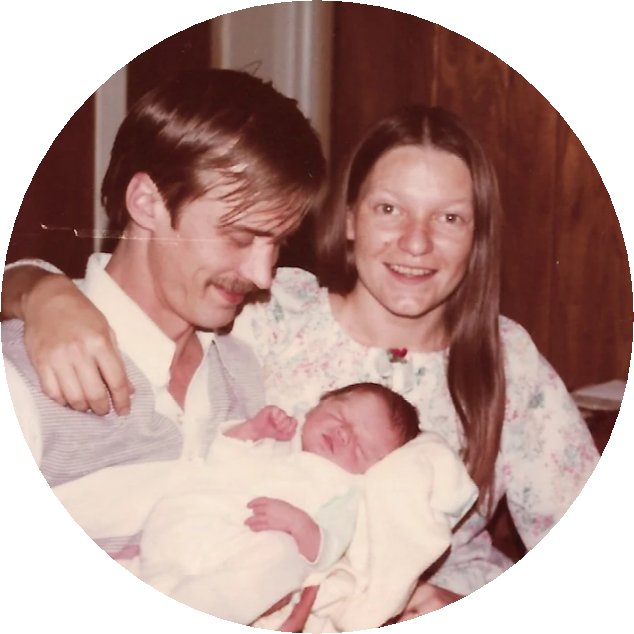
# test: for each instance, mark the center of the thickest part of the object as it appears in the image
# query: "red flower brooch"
(397, 355)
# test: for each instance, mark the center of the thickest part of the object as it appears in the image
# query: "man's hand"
(427, 598)
(269, 422)
(72, 348)
(276, 515)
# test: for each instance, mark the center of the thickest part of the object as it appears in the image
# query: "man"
(209, 173)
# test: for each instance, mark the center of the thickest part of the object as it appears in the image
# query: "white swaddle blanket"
(408, 505)
(195, 546)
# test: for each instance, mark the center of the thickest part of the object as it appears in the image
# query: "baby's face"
(353, 431)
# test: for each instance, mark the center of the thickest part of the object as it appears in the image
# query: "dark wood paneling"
(189, 49)
(565, 273)
(60, 195)
(590, 337)
(474, 84)
(382, 59)
(528, 185)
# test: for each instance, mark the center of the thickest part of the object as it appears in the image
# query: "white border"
(579, 55)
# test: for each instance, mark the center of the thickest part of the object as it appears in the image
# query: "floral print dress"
(546, 455)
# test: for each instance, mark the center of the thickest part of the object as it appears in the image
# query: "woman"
(407, 296)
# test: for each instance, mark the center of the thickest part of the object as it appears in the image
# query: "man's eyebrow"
(259, 233)
(262, 233)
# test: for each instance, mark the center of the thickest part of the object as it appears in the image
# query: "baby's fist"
(273, 422)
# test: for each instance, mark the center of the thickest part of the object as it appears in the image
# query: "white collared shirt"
(145, 344)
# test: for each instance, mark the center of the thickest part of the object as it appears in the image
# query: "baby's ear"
(145, 203)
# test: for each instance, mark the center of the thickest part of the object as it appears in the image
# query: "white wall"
(110, 110)
(289, 43)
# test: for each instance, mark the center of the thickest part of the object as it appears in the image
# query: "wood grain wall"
(59, 196)
(565, 271)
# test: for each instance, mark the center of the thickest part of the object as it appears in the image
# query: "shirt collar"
(149, 348)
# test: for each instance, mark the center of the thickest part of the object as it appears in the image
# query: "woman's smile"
(412, 253)
(410, 273)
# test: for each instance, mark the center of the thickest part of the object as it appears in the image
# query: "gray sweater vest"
(78, 443)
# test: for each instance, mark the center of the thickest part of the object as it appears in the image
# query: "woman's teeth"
(409, 270)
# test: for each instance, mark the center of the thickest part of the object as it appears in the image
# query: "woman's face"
(412, 228)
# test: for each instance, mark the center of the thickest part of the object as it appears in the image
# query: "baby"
(236, 543)
(268, 508)
(352, 427)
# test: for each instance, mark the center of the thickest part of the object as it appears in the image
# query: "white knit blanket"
(409, 503)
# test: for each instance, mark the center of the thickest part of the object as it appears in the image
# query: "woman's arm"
(17, 283)
(69, 341)
(426, 598)
(548, 454)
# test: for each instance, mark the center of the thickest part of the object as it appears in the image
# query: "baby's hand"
(270, 514)
(273, 422)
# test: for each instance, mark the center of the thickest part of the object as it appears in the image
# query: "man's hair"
(222, 121)
(475, 370)
(402, 415)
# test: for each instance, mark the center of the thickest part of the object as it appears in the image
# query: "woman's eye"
(386, 209)
(451, 218)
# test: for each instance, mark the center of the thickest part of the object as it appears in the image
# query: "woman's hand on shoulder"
(427, 598)
(72, 348)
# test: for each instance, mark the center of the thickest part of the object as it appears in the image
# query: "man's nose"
(258, 267)
(416, 238)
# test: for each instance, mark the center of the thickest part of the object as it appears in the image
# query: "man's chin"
(218, 320)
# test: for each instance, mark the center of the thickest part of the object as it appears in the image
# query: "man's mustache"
(238, 286)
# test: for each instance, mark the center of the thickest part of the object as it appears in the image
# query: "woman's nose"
(416, 238)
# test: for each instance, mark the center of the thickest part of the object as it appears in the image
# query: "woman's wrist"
(37, 288)
(17, 286)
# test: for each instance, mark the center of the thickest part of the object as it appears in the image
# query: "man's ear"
(350, 230)
(145, 203)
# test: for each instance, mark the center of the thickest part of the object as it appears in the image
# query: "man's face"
(202, 268)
